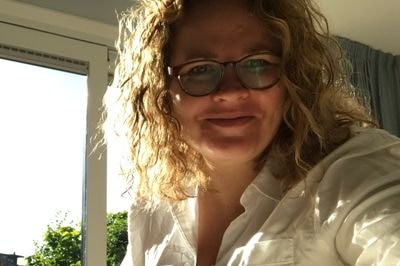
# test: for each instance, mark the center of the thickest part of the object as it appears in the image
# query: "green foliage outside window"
(61, 245)
(117, 237)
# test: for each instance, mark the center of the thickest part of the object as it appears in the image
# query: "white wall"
(372, 22)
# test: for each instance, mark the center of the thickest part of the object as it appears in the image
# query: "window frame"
(44, 31)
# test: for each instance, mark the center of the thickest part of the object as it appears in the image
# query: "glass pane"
(42, 152)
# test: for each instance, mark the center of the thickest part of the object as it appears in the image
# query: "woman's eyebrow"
(262, 46)
(197, 53)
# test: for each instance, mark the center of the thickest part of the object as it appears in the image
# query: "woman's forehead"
(216, 17)
(203, 9)
(220, 27)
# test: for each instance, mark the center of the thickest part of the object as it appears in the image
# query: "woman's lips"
(230, 122)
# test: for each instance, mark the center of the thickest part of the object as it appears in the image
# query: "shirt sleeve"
(149, 233)
(138, 223)
(370, 234)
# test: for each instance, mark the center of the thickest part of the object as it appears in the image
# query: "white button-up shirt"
(346, 212)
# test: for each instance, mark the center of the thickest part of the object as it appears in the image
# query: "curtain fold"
(377, 75)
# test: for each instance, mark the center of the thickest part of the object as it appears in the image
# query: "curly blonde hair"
(319, 110)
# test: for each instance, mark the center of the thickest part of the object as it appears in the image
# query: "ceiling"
(99, 10)
(375, 23)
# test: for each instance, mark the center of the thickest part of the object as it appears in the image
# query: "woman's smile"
(233, 122)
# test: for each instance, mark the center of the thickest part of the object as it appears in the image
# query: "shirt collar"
(263, 185)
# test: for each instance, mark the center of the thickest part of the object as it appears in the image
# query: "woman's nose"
(230, 87)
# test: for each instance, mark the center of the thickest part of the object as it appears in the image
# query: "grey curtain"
(377, 74)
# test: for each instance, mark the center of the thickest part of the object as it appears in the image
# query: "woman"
(246, 145)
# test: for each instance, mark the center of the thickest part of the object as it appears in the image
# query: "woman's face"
(232, 124)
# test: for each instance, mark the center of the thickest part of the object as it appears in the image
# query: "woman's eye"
(256, 66)
(202, 69)
(256, 63)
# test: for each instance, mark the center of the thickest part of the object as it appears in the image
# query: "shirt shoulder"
(367, 162)
(358, 194)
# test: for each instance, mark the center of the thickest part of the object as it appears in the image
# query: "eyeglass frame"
(174, 72)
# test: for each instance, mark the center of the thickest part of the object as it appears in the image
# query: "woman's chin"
(230, 154)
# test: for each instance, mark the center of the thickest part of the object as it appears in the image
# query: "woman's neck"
(230, 179)
(219, 205)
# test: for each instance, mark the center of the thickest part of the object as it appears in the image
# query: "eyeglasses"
(202, 77)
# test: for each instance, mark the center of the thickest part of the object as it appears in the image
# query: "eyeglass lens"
(254, 72)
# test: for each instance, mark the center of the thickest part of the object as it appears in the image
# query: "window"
(43, 139)
(90, 60)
